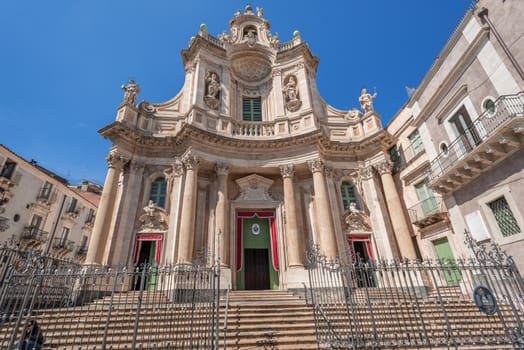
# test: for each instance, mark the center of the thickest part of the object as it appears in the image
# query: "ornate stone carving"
(366, 173)
(131, 92)
(116, 160)
(175, 170)
(366, 100)
(212, 97)
(356, 220)
(291, 95)
(384, 167)
(315, 165)
(153, 218)
(146, 107)
(287, 170)
(329, 172)
(353, 115)
(190, 161)
(254, 187)
(222, 168)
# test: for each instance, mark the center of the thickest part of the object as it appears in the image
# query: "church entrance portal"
(257, 254)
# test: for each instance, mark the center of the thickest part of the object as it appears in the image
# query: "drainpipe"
(55, 226)
(483, 14)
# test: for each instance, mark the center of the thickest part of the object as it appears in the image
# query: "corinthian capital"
(116, 160)
(316, 165)
(190, 161)
(384, 167)
(175, 170)
(222, 168)
(287, 170)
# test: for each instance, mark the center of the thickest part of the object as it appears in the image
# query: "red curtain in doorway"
(158, 248)
(272, 235)
(364, 239)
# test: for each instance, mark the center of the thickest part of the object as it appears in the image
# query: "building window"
(158, 192)
(90, 216)
(464, 130)
(8, 169)
(349, 195)
(428, 202)
(45, 193)
(63, 238)
(416, 143)
(504, 217)
(252, 109)
(489, 107)
(72, 206)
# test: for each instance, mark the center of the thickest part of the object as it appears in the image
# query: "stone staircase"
(255, 320)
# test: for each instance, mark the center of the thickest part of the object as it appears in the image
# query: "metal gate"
(414, 304)
(86, 307)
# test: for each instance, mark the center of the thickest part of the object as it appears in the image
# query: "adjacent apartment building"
(39, 210)
(459, 158)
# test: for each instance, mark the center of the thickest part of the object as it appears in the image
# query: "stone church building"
(247, 166)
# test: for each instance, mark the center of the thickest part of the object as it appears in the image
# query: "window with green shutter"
(252, 109)
(158, 192)
(349, 195)
(504, 216)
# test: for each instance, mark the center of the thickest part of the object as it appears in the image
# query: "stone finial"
(131, 92)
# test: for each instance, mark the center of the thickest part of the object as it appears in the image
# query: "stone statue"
(131, 92)
(212, 97)
(290, 89)
(251, 37)
(291, 98)
(366, 100)
(260, 12)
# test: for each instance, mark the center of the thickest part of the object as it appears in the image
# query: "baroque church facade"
(248, 166)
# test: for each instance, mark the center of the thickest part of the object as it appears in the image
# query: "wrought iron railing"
(150, 307)
(403, 304)
(60, 243)
(423, 209)
(506, 108)
(34, 233)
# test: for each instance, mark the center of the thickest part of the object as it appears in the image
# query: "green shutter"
(252, 109)
(504, 216)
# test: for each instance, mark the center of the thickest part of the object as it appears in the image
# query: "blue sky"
(62, 62)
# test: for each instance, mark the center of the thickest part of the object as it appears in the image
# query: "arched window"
(349, 195)
(158, 192)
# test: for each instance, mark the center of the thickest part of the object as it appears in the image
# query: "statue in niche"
(366, 100)
(291, 96)
(131, 92)
(251, 37)
(212, 97)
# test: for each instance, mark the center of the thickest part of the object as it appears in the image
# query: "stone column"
(291, 223)
(327, 240)
(98, 240)
(174, 181)
(187, 220)
(398, 220)
(221, 232)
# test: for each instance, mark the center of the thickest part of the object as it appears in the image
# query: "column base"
(296, 277)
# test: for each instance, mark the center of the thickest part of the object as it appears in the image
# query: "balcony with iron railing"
(46, 196)
(494, 136)
(428, 212)
(405, 156)
(81, 250)
(63, 244)
(34, 234)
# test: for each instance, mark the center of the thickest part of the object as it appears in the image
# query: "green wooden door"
(447, 260)
(257, 271)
